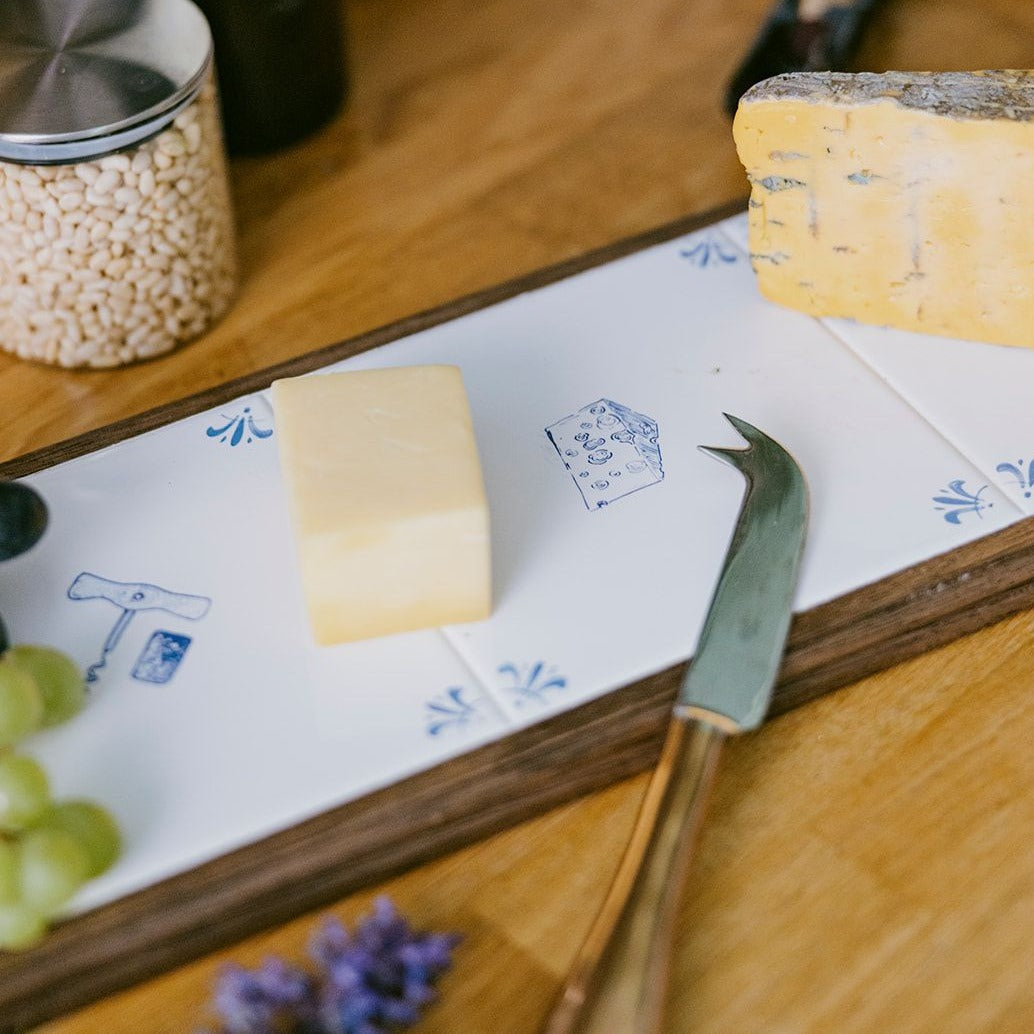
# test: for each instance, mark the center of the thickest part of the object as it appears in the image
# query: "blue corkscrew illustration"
(130, 598)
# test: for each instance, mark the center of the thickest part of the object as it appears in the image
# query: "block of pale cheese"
(387, 500)
(903, 199)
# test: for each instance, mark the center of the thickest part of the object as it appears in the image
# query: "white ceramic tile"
(590, 598)
(251, 728)
(977, 395)
(255, 728)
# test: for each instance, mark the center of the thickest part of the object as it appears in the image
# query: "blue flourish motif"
(532, 682)
(451, 711)
(1022, 472)
(709, 252)
(957, 501)
(237, 426)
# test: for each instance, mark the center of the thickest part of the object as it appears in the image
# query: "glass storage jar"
(116, 227)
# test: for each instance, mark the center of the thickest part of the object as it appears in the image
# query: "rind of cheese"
(899, 199)
(387, 500)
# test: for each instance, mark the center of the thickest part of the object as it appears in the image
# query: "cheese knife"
(802, 36)
(618, 982)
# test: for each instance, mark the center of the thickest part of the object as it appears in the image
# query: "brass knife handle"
(618, 982)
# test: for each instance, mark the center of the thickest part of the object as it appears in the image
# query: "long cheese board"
(664, 329)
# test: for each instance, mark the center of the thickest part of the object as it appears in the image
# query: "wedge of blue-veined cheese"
(386, 498)
(903, 199)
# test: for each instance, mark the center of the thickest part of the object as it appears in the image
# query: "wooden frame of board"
(493, 787)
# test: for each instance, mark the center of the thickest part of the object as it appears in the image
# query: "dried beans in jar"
(116, 226)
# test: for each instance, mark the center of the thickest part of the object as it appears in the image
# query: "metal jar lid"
(83, 78)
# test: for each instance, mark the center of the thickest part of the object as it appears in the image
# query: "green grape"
(21, 704)
(94, 828)
(21, 926)
(24, 792)
(8, 873)
(60, 682)
(52, 866)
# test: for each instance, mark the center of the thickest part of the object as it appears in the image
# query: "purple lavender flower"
(379, 979)
(373, 982)
(274, 999)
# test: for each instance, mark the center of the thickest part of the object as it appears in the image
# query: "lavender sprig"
(379, 979)
(376, 981)
(276, 998)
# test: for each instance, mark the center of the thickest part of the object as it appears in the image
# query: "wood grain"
(867, 863)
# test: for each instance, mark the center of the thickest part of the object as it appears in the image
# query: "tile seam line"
(913, 406)
(921, 413)
(487, 691)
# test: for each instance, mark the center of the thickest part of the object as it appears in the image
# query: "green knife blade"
(729, 682)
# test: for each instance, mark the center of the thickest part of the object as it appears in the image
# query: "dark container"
(281, 69)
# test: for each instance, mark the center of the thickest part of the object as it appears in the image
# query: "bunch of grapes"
(48, 849)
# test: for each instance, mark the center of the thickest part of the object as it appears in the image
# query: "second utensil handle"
(618, 982)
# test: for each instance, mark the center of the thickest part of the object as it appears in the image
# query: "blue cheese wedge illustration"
(610, 450)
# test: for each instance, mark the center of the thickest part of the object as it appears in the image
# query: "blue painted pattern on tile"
(241, 427)
(710, 252)
(451, 710)
(609, 450)
(957, 502)
(1022, 473)
(532, 683)
(161, 657)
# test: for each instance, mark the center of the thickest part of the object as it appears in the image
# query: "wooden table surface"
(869, 860)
